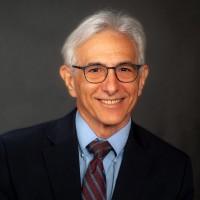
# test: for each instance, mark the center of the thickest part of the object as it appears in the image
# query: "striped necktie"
(94, 182)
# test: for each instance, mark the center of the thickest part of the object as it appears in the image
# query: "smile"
(110, 101)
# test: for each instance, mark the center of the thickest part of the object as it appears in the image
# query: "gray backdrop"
(31, 36)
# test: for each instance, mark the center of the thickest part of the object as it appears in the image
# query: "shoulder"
(156, 147)
(29, 136)
(29, 133)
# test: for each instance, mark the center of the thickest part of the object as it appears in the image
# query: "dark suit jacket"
(42, 163)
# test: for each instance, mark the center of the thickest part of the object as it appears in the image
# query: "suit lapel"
(134, 168)
(62, 159)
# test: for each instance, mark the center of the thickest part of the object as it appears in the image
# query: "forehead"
(107, 46)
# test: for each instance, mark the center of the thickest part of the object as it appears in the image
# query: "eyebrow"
(95, 63)
(99, 63)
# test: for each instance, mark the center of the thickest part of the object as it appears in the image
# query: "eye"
(125, 68)
(94, 69)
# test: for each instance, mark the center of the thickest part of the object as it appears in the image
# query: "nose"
(111, 83)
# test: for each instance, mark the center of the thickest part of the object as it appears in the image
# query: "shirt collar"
(86, 135)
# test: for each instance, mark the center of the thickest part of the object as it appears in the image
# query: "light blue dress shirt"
(111, 162)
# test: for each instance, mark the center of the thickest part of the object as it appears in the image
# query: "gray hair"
(100, 21)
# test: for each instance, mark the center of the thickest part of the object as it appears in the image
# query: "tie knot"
(99, 148)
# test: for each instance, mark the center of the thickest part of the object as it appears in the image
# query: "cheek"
(85, 91)
(133, 93)
(79, 85)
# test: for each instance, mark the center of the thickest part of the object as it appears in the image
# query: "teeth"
(110, 102)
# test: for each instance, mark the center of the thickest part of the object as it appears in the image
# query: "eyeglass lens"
(98, 73)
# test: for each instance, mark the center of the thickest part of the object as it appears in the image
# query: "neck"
(104, 130)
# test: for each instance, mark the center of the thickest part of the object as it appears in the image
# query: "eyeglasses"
(97, 73)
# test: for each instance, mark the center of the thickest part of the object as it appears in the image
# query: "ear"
(68, 77)
(143, 74)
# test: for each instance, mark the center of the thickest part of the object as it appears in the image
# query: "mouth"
(111, 101)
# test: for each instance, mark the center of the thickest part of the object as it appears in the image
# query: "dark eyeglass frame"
(136, 66)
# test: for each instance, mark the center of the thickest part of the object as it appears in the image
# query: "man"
(96, 152)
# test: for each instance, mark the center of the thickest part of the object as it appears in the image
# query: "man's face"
(108, 104)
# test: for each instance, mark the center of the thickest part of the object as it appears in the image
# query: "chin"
(113, 120)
